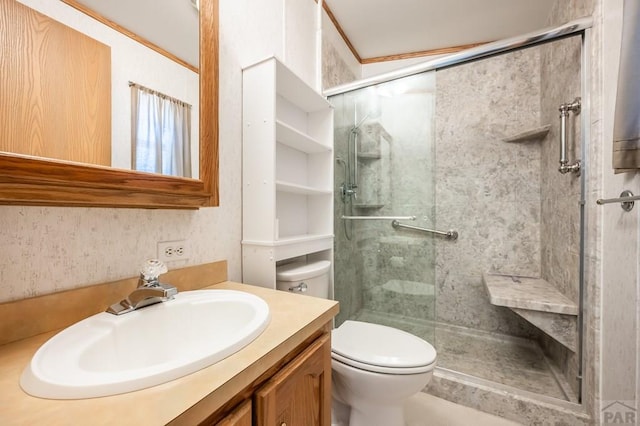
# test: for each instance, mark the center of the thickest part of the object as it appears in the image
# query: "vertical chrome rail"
(565, 109)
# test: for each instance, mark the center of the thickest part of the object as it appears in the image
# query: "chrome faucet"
(149, 292)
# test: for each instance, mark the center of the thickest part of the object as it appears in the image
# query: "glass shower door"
(384, 148)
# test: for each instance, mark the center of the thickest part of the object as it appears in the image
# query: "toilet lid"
(297, 271)
(378, 345)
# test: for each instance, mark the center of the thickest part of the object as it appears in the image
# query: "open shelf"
(300, 189)
(537, 134)
(290, 247)
(296, 139)
(297, 239)
(287, 171)
(296, 91)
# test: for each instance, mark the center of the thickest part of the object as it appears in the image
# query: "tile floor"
(427, 410)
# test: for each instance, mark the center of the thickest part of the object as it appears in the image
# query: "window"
(161, 133)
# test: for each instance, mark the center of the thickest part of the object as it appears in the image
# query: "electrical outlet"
(171, 251)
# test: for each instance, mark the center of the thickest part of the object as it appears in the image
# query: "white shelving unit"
(287, 171)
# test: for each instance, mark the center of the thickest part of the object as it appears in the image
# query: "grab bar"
(449, 235)
(379, 217)
(565, 109)
(626, 199)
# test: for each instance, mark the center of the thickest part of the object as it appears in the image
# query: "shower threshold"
(507, 361)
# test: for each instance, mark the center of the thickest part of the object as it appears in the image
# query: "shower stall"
(448, 198)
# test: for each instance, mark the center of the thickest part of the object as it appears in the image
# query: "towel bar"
(626, 199)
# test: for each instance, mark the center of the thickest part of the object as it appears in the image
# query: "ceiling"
(170, 24)
(378, 28)
(374, 28)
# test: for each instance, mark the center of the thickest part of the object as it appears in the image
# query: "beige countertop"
(294, 319)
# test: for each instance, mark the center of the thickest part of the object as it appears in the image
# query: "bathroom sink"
(107, 354)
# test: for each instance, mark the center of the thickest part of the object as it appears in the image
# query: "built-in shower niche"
(374, 166)
(538, 302)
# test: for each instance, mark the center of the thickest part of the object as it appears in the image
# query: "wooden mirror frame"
(26, 180)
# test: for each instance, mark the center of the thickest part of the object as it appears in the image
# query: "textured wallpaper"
(47, 249)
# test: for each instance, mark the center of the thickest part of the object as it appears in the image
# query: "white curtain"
(161, 133)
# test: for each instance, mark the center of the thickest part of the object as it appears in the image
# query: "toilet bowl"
(374, 368)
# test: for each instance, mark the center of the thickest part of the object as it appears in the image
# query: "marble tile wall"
(560, 224)
(335, 70)
(339, 65)
(395, 177)
(560, 228)
(560, 209)
(347, 262)
(487, 189)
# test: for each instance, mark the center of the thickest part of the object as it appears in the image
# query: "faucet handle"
(151, 270)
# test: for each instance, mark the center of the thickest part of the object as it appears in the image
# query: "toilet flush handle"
(300, 288)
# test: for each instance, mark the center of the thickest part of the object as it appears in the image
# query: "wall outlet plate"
(171, 251)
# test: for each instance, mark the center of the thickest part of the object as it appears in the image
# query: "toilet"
(375, 368)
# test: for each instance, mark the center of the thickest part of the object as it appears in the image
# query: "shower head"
(362, 120)
(372, 114)
(372, 109)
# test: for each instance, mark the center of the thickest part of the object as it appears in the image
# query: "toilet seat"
(383, 370)
(381, 349)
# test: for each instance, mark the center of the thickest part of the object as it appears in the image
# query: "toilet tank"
(311, 278)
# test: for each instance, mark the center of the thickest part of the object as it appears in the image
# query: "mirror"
(26, 180)
(154, 80)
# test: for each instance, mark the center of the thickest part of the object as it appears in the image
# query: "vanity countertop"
(187, 400)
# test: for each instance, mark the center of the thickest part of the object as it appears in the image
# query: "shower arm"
(565, 109)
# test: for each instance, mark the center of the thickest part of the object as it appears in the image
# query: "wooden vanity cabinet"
(241, 416)
(298, 394)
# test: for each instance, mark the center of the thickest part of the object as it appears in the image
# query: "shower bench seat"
(537, 301)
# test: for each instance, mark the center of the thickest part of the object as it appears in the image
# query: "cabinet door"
(241, 416)
(300, 393)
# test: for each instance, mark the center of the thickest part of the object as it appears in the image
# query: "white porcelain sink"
(107, 354)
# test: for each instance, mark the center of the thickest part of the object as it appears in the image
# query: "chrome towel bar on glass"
(626, 199)
(449, 235)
